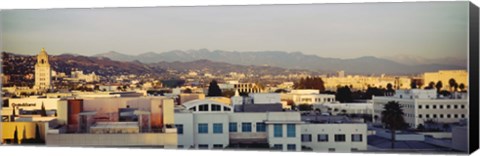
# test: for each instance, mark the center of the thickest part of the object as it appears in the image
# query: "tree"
(431, 85)
(392, 118)
(439, 86)
(281, 91)
(229, 93)
(310, 83)
(343, 94)
(452, 84)
(420, 127)
(461, 86)
(43, 112)
(188, 90)
(214, 89)
(15, 136)
(390, 90)
(37, 133)
(413, 85)
(12, 118)
(445, 126)
(305, 107)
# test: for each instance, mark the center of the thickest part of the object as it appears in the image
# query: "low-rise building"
(420, 106)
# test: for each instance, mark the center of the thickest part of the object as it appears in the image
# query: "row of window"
(290, 147)
(442, 116)
(317, 99)
(247, 127)
(205, 108)
(441, 106)
(217, 128)
(205, 146)
(278, 130)
(337, 138)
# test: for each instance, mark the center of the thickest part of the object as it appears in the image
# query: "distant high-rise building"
(43, 72)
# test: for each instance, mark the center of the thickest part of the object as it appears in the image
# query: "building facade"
(43, 72)
(421, 106)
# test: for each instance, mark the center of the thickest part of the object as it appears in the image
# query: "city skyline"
(431, 30)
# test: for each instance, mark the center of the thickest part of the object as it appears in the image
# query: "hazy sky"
(426, 29)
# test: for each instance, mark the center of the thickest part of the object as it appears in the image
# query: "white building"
(334, 137)
(308, 96)
(206, 124)
(43, 72)
(423, 105)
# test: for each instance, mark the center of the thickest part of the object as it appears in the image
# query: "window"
(203, 107)
(462, 106)
(179, 128)
(427, 106)
(419, 115)
(232, 127)
(434, 115)
(356, 137)
(179, 146)
(306, 138)
(427, 116)
(261, 127)
(278, 146)
(217, 146)
(333, 149)
(246, 127)
(441, 115)
(217, 128)
(449, 116)
(448, 106)
(203, 146)
(202, 128)
(455, 106)
(291, 131)
(277, 130)
(419, 106)
(339, 137)
(226, 109)
(291, 147)
(463, 115)
(322, 138)
(434, 106)
(441, 106)
(455, 116)
(216, 108)
(193, 109)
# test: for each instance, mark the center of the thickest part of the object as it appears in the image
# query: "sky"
(422, 29)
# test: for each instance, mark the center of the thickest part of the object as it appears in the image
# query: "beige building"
(43, 72)
(359, 82)
(460, 76)
(420, 106)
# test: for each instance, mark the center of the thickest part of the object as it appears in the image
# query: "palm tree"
(43, 112)
(392, 118)
(439, 86)
(461, 86)
(15, 136)
(452, 83)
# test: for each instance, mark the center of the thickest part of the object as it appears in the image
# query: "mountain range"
(16, 64)
(290, 60)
